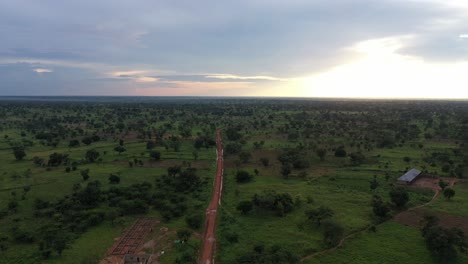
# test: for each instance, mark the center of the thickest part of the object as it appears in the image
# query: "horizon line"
(243, 97)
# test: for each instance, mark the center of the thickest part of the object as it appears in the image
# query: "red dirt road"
(209, 240)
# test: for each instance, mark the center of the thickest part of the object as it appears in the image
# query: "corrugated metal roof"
(410, 175)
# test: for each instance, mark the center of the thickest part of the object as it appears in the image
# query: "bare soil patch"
(132, 240)
(414, 218)
(426, 182)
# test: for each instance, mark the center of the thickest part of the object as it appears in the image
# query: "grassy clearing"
(456, 205)
(392, 243)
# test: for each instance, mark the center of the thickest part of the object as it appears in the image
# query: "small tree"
(150, 145)
(19, 153)
(184, 234)
(74, 143)
(120, 149)
(449, 193)
(357, 158)
(87, 141)
(243, 176)
(85, 174)
(156, 155)
(92, 155)
(319, 214)
(245, 156)
(194, 221)
(399, 196)
(286, 170)
(245, 207)
(340, 152)
(374, 183)
(114, 179)
(332, 233)
(265, 161)
(321, 153)
(442, 184)
(379, 208)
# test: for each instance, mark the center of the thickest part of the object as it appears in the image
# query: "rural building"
(409, 177)
(137, 259)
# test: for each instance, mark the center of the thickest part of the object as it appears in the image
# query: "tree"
(399, 196)
(318, 215)
(379, 208)
(156, 155)
(357, 158)
(340, 152)
(183, 234)
(87, 141)
(245, 156)
(233, 134)
(243, 176)
(38, 161)
(332, 233)
(85, 174)
(442, 184)
(13, 205)
(92, 155)
(120, 149)
(19, 153)
(374, 183)
(194, 221)
(449, 193)
(233, 148)
(286, 170)
(114, 179)
(321, 153)
(245, 207)
(442, 242)
(150, 145)
(281, 203)
(74, 143)
(56, 159)
(265, 161)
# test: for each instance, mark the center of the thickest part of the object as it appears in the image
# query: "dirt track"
(209, 240)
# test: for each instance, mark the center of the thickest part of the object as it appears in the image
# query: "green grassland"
(391, 243)
(381, 141)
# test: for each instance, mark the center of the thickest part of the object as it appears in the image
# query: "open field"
(299, 177)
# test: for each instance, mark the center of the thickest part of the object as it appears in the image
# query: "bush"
(245, 207)
(399, 196)
(332, 233)
(340, 152)
(194, 221)
(243, 176)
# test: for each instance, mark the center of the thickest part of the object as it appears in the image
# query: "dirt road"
(209, 240)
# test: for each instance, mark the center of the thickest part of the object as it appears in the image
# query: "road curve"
(209, 240)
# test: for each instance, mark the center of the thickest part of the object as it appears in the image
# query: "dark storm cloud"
(193, 39)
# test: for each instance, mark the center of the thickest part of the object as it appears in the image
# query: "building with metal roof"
(410, 176)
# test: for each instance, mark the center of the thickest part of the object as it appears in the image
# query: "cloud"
(237, 77)
(146, 79)
(463, 36)
(262, 43)
(42, 70)
(383, 72)
(126, 74)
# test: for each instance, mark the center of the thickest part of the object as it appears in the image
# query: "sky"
(293, 48)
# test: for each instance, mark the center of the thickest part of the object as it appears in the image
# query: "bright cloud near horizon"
(296, 48)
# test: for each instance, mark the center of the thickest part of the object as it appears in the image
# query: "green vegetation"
(300, 176)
